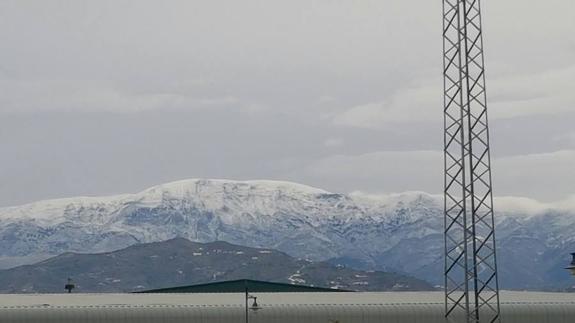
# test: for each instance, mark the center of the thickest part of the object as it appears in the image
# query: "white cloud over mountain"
(547, 175)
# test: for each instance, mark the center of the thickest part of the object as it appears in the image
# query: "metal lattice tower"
(471, 283)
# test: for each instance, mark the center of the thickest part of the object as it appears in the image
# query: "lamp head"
(255, 307)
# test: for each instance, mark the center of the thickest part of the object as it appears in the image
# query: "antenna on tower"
(471, 282)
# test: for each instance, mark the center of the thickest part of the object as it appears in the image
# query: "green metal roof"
(240, 286)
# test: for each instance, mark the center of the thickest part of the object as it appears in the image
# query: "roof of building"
(241, 285)
(231, 299)
(404, 307)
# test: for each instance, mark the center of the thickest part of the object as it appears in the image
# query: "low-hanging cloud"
(548, 176)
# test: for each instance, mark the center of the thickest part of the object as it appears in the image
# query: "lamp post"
(255, 307)
(571, 267)
(69, 286)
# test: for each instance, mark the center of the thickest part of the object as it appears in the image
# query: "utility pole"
(471, 282)
(247, 297)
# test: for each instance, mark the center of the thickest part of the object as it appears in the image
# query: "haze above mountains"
(400, 233)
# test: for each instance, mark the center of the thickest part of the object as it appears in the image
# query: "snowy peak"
(210, 193)
(220, 194)
(184, 187)
(261, 195)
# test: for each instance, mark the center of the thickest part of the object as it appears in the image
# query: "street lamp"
(571, 267)
(70, 285)
(255, 307)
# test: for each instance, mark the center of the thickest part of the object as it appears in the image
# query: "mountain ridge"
(504, 203)
(180, 262)
(396, 232)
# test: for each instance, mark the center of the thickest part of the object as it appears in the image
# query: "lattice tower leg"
(471, 281)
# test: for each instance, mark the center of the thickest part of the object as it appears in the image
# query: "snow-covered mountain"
(401, 232)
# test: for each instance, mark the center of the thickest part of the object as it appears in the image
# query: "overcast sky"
(102, 97)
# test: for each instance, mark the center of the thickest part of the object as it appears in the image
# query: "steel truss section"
(471, 282)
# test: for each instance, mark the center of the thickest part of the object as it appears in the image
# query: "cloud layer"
(547, 175)
(111, 96)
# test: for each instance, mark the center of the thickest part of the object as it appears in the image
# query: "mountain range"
(395, 233)
(180, 262)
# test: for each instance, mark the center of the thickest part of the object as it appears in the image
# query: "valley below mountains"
(400, 233)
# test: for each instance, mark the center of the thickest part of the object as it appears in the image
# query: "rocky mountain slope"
(180, 262)
(401, 233)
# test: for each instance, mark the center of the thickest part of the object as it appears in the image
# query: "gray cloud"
(545, 175)
(107, 96)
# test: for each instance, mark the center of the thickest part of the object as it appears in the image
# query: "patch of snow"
(362, 283)
(296, 279)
